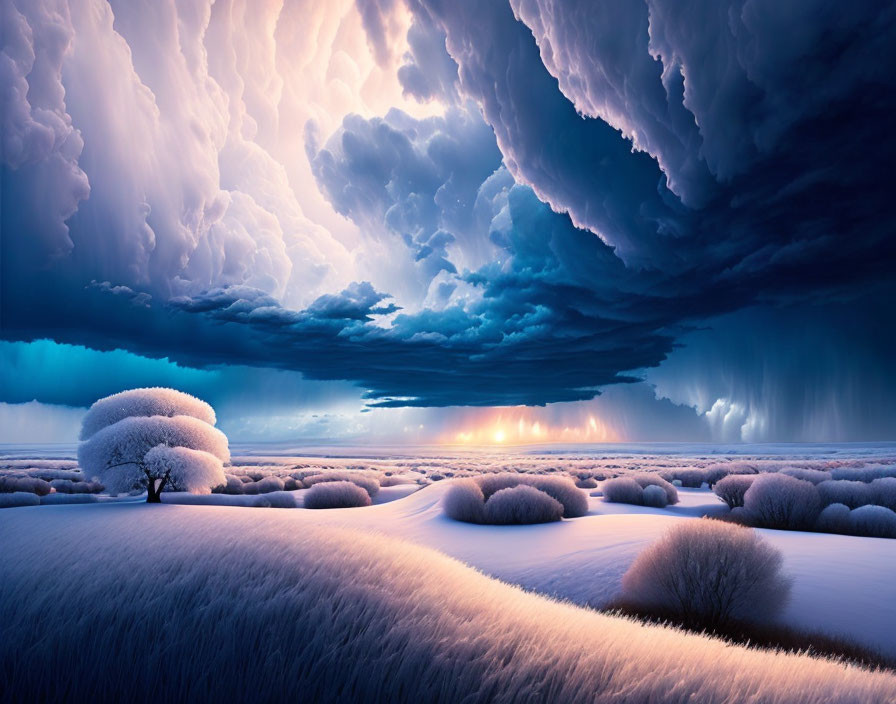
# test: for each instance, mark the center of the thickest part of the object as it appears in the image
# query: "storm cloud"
(486, 204)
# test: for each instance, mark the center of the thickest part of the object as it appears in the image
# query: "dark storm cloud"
(777, 148)
(539, 333)
(793, 374)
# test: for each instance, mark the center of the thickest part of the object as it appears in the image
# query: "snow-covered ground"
(843, 585)
(136, 602)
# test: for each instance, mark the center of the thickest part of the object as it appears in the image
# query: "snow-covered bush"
(491, 483)
(250, 487)
(397, 480)
(232, 485)
(276, 499)
(48, 474)
(157, 401)
(690, 478)
(63, 486)
(777, 501)
(336, 494)
(873, 522)
(849, 492)
(863, 474)
(883, 492)
(464, 501)
(266, 485)
(731, 489)
(586, 482)
(116, 444)
(32, 485)
(623, 490)
(833, 518)
(655, 497)
(19, 498)
(816, 476)
(522, 504)
(644, 480)
(369, 483)
(562, 489)
(708, 573)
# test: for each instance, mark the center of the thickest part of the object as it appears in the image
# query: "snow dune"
(843, 585)
(149, 603)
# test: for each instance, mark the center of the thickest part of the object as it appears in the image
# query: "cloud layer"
(457, 203)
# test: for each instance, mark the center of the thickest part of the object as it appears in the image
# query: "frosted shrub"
(644, 480)
(851, 493)
(863, 474)
(464, 501)
(833, 519)
(269, 484)
(250, 487)
(586, 483)
(232, 485)
(522, 504)
(32, 485)
(883, 492)
(64, 486)
(491, 483)
(562, 489)
(778, 501)
(156, 401)
(370, 484)
(816, 476)
(708, 573)
(397, 480)
(873, 522)
(655, 496)
(623, 490)
(336, 495)
(278, 499)
(731, 489)
(18, 498)
(116, 452)
(690, 478)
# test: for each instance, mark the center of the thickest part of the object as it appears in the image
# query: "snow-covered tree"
(155, 439)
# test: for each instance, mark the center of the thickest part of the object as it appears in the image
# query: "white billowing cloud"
(185, 123)
(37, 138)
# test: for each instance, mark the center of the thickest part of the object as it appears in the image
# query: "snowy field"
(843, 585)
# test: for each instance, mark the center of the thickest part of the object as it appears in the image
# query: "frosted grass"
(159, 603)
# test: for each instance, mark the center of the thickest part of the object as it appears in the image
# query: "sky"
(452, 222)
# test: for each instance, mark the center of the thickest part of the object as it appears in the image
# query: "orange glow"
(522, 425)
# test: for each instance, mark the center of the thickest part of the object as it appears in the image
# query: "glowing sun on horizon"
(520, 426)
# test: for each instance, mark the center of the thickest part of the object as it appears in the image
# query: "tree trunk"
(153, 495)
